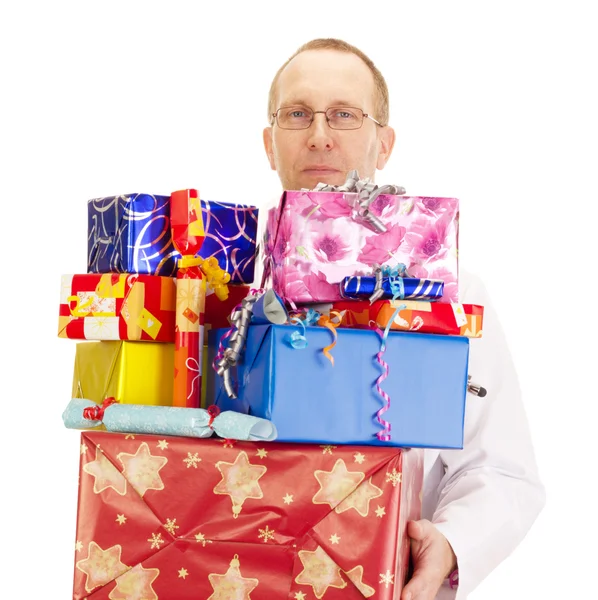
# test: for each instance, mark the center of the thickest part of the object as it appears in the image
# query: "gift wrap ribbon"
(166, 420)
(358, 287)
(259, 307)
(366, 192)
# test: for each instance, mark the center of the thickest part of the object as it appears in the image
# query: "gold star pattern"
(334, 539)
(262, 453)
(129, 436)
(356, 577)
(360, 498)
(299, 596)
(142, 469)
(163, 444)
(266, 534)
(156, 540)
(394, 477)
(380, 511)
(201, 539)
(171, 526)
(78, 546)
(183, 573)
(106, 475)
(192, 460)
(327, 449)
(232, 584)
(359, 457)
(83, 449)
(387, 578)
(227, 443)
(337, 484)
(101, 566)
(288, 498)
(319, 571)
(240, 480)
(121, 519)
(135, 583)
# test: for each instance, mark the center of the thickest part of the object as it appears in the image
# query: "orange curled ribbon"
(331, 322)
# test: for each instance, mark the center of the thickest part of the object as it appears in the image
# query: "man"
(328, 113)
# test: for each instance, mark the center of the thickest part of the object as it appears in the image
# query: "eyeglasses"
(337, 117)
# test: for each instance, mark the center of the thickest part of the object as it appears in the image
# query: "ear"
(268, 147)
(387, 143)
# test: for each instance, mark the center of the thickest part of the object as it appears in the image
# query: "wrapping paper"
(313, 241)
(115, 306)
(218, 311)
(131, 234)
(188, 236)
(311, 401)
(162, 518)
(131, 372)
(425, 317)
(357, 287)
(166, 420)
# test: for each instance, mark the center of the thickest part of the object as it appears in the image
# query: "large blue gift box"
(310, 400)
(131, 234)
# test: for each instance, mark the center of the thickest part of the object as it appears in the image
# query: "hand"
(433, 561)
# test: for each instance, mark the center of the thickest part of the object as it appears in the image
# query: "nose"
(320, 134)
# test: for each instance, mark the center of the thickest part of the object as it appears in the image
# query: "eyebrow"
(300, 102)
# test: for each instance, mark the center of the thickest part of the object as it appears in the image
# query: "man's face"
(320, 79)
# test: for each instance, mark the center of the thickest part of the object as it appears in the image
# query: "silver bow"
(367, 191)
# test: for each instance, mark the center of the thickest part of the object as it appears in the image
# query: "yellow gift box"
(130, 372)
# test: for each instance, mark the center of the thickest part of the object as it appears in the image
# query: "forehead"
(320, 78)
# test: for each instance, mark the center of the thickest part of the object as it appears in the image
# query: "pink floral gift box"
(314, 239)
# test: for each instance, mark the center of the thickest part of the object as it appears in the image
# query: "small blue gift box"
(131, 234)
(311, 401)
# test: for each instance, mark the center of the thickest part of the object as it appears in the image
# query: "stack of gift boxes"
(311, 358)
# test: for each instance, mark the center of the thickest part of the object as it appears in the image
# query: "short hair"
(381, 106)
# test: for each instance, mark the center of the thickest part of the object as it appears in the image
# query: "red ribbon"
(213, 411)
(96, 413)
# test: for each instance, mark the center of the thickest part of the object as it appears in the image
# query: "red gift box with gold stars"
(163, 518)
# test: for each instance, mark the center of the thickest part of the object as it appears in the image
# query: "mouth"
(320, 171)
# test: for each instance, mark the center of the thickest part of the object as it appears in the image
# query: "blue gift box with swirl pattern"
(131, 234)
(312, 401)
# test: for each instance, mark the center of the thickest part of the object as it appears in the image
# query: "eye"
(297, 112)
(345, 114)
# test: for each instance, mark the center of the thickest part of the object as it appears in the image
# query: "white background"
(493, 103)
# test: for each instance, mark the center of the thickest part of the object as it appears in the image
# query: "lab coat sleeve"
(491, 493)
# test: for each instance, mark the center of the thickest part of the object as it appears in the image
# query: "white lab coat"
(485, 497)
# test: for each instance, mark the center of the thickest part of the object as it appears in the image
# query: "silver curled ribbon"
(379, 273)
(378, 291)
(259, 307)
(240, 320)
(367, 191)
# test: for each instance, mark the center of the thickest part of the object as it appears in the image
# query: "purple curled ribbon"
(384, 434)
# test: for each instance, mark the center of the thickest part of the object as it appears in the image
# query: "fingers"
(422, 586)
(418, 530)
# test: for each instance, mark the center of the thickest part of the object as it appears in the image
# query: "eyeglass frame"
(274, 117)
